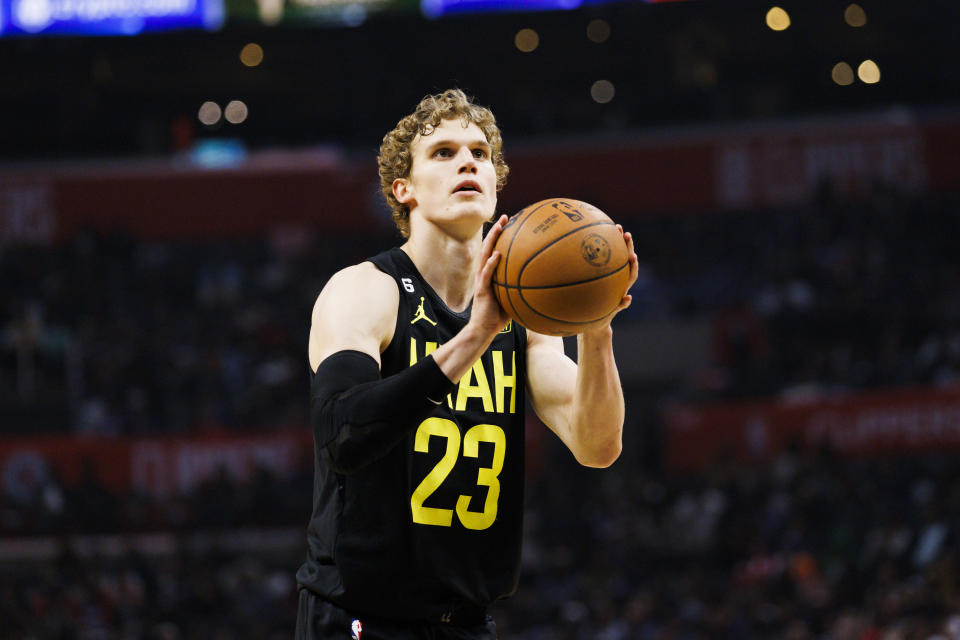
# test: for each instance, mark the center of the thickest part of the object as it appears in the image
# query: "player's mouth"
(468, 186)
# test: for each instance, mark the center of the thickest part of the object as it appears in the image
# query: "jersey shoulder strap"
(394, 262)
(385, 261)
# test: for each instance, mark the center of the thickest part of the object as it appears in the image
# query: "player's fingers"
(632, 258)
(492, 235)
(486, 273)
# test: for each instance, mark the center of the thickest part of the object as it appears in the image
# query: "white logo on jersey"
(355, 628)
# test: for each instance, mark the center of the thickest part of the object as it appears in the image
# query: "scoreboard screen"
(354, 12)
(131, 17)
(437, 8)
(107, 17)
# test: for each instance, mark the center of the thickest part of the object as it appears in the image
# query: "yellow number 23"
(487, 477)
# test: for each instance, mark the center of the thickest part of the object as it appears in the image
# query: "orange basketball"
(563, 267)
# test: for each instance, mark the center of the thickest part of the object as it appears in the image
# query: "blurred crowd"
(109, 335)
(190, 594)
(807, 547)
(837, 295)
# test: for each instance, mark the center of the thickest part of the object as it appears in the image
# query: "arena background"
(173, 198)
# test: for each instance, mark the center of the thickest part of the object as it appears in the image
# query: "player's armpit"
(357, 311)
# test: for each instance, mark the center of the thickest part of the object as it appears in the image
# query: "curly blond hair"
(395, 159)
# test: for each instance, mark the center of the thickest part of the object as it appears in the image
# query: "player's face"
(452, 179)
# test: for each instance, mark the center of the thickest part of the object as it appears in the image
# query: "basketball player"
(417, 402)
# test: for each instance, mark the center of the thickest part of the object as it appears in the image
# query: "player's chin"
(475, 211)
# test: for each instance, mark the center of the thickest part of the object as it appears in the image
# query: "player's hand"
(634, 268)
(634, 272)
(487, 314)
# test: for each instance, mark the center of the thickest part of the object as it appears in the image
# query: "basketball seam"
(543, 315)
(565, 284)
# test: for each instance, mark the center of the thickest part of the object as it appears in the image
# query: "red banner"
(783, 166)
(155, 466)
(879, 423)
(698, 170)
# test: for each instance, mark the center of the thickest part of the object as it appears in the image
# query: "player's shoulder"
(361, 285)
(363, 278)
(364, 274)
(357, 310)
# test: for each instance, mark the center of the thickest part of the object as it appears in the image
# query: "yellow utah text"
(475, 383)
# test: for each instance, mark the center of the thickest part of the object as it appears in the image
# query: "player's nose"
(467, 162)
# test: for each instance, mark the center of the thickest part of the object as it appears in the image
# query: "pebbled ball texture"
(563, 267)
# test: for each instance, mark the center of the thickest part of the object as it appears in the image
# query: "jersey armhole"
(400, 304)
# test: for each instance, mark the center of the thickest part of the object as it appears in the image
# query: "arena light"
(778, 19)
(602, 91)
(868, 72)
(598, 30)
(842, 74)
(353, 15)
(236, 112)
(526, 40)
(855, 16)
(209, 113)
(271, 11)
(251, 55)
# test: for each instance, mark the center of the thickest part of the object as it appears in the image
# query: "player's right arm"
(357, 415)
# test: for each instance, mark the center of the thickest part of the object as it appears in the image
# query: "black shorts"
(318, 619)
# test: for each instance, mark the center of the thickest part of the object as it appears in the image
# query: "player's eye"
(479, 154)
(442, 152)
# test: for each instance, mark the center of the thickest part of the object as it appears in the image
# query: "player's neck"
(448, 264)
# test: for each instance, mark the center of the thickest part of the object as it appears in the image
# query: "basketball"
(564, 267)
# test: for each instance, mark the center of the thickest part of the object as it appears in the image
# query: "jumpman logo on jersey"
(422, 315)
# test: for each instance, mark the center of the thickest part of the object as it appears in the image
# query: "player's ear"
(402, 190)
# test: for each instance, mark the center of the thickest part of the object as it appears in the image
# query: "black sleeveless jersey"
(434, 526)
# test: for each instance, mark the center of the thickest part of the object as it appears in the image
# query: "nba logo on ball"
(355, 628)
(568, 210)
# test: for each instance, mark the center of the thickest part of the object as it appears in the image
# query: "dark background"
(674, 63)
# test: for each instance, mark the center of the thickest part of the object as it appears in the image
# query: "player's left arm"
(582, 402)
